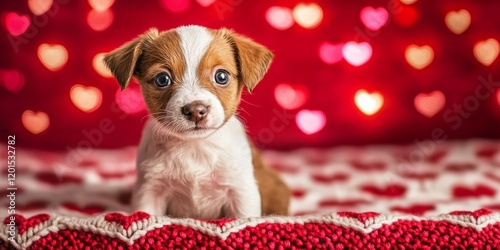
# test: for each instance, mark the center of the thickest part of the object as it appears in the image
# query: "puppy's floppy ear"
(253, 60)
(123, 60)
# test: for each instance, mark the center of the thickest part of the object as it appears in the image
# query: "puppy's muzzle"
(195, 111)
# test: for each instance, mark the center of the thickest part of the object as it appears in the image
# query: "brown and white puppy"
(194, 159)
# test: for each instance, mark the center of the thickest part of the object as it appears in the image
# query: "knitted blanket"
(417, 196)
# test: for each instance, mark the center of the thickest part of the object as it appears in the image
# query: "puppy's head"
(191, 77)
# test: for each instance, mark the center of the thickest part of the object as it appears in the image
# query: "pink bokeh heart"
(357, 54)
(310, 121)
(130, 100)
(330, 53)
(430, 104)
(16, 24)
(291, 96)
(205, 3)
(13, 80)
(280, 18)
(374, 19)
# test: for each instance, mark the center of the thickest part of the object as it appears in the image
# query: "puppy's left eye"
(221, 77)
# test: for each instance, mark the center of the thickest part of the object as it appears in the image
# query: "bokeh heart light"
(35, 122)
(458, 21)
(357, 54)
(16, 24)
(291, 96)
(101, 5)
(130, 100)
(39, 7)
(86, 98)
(374, 19)
(279, 18)
(100, 20)
(429, 104)
(486, 52)
(368, 102)
(330, 53)
(12, 80)
(310, 121)
(53, 57)
(99, 67)
(308, 15)
(419, 57)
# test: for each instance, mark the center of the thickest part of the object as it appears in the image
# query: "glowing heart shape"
(291, 96)
(38, 7)
(310, 121)
(205, 3)
(13, 80)
(458, 21)
(16, 24)
(357, 54)
(279, 18)
(486, 52)
(408, 1)
(130, 100)
(176, 6)
(368, 103)
(308, 15)
(100, 20)
(99, 66)
(53, 57)
(87, 99)
(101, 5)
(35, 122)
(430, 104)
(374, 19)
(330, 53)
(419, 57)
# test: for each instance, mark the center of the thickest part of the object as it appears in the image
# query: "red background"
(454, 70)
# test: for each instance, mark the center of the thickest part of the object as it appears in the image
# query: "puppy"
(194, 159)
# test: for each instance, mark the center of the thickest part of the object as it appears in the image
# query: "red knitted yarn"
(362, 217)
(405, 234)
(23, 224)
(125, 220)
(475, 214)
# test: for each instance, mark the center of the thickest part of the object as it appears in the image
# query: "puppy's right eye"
(163, 80)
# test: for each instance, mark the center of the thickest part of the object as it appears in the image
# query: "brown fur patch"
(220, 54)
(275, 194)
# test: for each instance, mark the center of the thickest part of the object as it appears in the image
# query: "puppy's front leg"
(150, 197)
(245, 200)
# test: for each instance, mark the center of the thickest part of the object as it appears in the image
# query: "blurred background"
(345, 72)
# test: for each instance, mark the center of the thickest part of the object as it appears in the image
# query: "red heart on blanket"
(418, 209)
(326, 179)
(476, 214)
(487, 151)
(367, 166)
(392, 190)
(460, 167)
(89, 209)
(126, 220)
(479, 190)
(23, 224)
(362, 217)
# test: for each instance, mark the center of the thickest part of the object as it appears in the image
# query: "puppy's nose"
(195, 111)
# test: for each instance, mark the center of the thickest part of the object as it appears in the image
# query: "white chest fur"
(207, 178)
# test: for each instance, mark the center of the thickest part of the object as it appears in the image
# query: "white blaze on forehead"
(194, 44)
